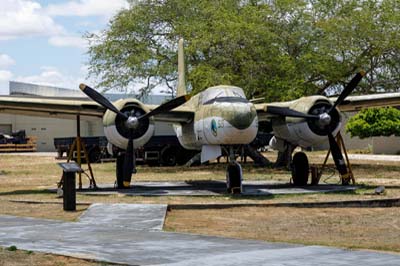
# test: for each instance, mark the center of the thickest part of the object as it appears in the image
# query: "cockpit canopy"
(223, 94)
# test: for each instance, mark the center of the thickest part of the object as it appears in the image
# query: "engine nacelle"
(117, 132)
(302, 132)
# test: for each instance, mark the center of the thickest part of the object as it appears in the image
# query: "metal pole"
(78, 147)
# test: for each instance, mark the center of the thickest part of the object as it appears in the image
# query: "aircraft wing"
(356, 103)
(350, 104)
(69, 108)
(265, 112)
(262, 110)
(182, 114)
(50, 106)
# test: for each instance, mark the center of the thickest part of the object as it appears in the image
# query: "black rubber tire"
(234, 178)
(169, 156)
(94, 155)
(300, 169)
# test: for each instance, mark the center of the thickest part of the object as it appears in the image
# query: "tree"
(278, 50)
(374, 122)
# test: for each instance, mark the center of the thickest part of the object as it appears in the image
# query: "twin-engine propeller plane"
(217, 118)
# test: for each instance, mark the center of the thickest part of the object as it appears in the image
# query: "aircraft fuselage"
(223, 116)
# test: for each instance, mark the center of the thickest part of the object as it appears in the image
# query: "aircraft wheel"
(119, 171)
(168, 156)
(300, 169)
(94, 155)
(234, 178)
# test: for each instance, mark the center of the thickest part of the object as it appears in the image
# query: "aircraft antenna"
(181, 90)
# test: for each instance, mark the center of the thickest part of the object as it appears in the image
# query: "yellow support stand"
(349, 176)
(80, 147)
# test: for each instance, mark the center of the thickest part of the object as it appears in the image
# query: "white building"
(46, 129)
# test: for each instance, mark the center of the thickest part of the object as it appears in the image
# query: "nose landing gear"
(234, 174)
(234, 178)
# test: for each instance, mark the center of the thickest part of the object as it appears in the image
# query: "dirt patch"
(23, 258)
(362, 228)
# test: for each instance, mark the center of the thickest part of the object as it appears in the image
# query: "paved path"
(131, 234)
(375, 157)
(211, 188)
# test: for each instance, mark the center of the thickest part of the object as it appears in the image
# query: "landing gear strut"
(119, 171)
(233, 174)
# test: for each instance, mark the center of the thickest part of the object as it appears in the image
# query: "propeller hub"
(132, 122)
(324, 119)
(327, 121)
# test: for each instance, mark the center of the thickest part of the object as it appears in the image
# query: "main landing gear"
(234, 174)
(301, 169)
(119, 171)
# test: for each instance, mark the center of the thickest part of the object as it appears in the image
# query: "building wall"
(386, 145)
(46, 129)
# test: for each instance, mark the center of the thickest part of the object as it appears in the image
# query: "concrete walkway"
(131, 234)
(212, 188)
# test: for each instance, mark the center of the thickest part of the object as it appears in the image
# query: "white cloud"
(51, 76)
(6, 61)
(85, 8)
(21, 18)
(5, 75)
(68, 41)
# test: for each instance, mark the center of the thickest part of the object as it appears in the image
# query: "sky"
(41, 41)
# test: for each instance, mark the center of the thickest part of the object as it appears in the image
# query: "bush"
(373, 122)
(12, 248)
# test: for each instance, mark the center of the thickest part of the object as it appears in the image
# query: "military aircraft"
(217, 118)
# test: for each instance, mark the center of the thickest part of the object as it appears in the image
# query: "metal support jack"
(80, 147)
(349, 176)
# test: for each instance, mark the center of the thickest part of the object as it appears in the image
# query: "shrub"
(373, 122)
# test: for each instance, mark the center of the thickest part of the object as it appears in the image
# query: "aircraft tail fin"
(181, 90)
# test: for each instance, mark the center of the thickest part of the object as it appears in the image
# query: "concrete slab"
(111, 240)
(372, 157)
(9, 221)
(132, 216)
(212, 188)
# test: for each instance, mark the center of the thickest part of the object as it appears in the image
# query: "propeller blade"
(100, 99)
(348, 89)
(337, 155)
(284, 111)
(129, 163)
(167, 106)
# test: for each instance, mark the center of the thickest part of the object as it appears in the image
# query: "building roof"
(22, 88)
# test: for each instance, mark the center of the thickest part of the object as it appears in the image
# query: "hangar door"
(5, 128)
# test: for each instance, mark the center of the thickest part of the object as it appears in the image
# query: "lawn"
(25, 180)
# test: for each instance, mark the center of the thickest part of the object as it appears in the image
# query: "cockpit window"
(227, 100)
(221, 94)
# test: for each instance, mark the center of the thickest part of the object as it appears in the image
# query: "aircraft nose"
(242, 115)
